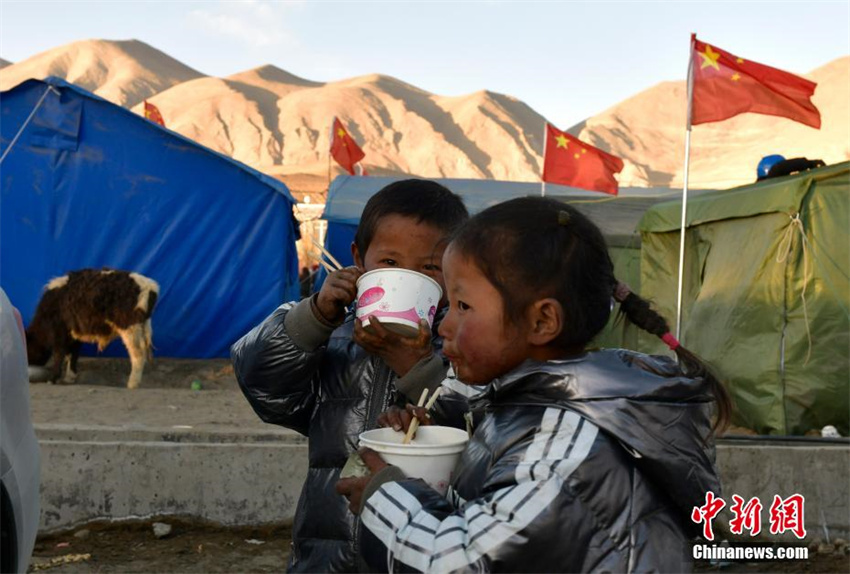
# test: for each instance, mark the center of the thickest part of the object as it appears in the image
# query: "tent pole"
(543, 168)
(28, 120)
(685, 191)
(330, 146)
(682, 238)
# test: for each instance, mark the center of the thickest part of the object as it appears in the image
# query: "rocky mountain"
(279, 123)
(123, 72)
(268, 118)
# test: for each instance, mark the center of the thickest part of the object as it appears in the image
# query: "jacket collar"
(599, 375)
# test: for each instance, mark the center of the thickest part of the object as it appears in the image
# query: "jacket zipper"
(375, 407)
(379, 397)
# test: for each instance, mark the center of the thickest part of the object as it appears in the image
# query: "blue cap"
(766, 163)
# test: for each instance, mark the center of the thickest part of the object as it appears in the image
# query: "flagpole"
(685, 191)
(543, 167)
(330, 145)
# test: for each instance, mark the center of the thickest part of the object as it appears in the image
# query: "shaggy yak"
(92, 306)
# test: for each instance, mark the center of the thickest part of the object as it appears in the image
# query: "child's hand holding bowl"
(338, 291)
(399, 352)
(352, 488)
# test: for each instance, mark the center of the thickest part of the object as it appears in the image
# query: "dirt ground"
(191, 546)
(189, 394)
(818, 563)
(160, 373)
(195, 547)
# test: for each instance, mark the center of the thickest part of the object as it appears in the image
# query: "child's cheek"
(467, 345)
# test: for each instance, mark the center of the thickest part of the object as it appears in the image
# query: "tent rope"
(23, 127)
(784, 250)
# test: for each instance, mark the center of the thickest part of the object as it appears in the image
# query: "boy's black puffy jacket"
(330, 390)
(585, 465)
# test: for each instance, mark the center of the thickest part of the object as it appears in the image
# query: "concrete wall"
(231, 479)
(255, 478)
(817, 469)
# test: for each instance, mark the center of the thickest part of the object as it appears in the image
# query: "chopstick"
(433, 399)
(328, 267)
(324, 263)
(414, 424)
(327, 254)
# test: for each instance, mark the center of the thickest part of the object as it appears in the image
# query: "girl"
(586, 460)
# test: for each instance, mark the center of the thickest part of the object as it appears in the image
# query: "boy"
(313, 368)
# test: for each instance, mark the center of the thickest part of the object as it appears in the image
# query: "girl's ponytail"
(639, 312)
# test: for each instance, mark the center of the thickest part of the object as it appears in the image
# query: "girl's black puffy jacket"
(585, 465)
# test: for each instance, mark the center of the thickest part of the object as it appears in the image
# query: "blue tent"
(91, 184)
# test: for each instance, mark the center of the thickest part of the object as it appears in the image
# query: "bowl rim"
(402, 270)
(463, 440)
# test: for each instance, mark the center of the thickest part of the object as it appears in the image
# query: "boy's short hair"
(422, 199)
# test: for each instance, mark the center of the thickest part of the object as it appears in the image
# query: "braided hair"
(551, 245)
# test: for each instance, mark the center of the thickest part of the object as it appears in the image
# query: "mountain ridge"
(278, 122)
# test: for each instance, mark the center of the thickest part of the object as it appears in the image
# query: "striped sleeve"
(417, 529)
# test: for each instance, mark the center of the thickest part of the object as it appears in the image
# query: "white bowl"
(432, 455)
(399, 298)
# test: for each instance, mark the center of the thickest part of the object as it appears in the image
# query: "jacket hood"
(660, 416)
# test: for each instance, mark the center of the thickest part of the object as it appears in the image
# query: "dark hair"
(553, 246)
(425, 200)
(639, 312)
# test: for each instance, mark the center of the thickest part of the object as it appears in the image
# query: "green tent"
(766, 296)
(618, 218)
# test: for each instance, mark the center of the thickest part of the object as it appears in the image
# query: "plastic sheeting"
(754, 291)
(90, 184)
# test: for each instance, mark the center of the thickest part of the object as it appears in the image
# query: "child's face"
(477, 339)
(402, 241)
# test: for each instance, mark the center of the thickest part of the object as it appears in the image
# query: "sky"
(567, 60)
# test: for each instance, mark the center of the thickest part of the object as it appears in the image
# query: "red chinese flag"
(725, 85)
(568, 161)
(152, 113)
(344, 149)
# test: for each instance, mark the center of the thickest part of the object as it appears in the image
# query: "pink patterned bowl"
(399, 298)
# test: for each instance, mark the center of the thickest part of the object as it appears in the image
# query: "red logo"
(787, 515)
(707, 512)
(746, 515)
